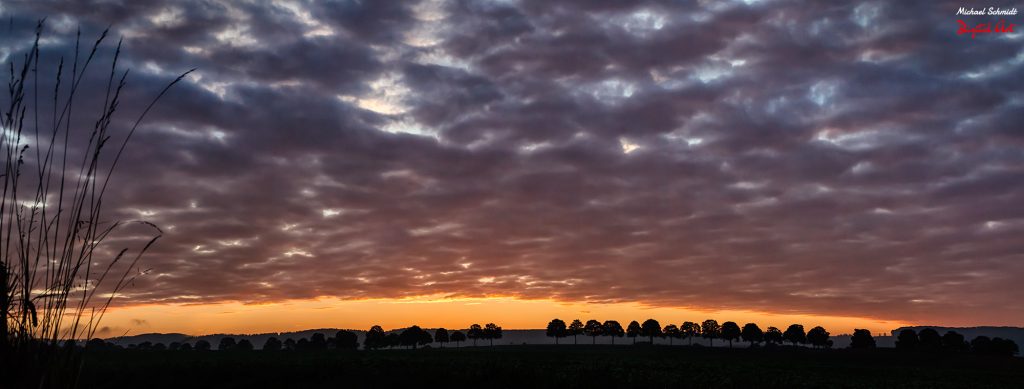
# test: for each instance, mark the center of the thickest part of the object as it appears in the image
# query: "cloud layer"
(830, 158)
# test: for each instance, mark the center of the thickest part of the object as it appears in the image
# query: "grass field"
(552, 366)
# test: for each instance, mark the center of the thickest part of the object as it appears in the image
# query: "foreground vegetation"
(583, 366)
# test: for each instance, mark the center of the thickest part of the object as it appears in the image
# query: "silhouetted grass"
(57, 278)
(553, 366)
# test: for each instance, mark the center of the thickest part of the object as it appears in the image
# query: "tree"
(953, 341)
(818, 337)
(929, 340)
(289, 344)
(795, 334)
(906, 340)
(752, 333)
(671, 332)
(593, 329)
(458, 337)
(690, 330)
(650, 329)
(491, 332)
(158, 347)
(441, 336)
(226, 343)
(375, 338)
(996, 346)
(317, 342)
(302, 345)
(415, 336)
(1004, 347)
(392, 340)
(575, 328)
(475, 332)
(346, 340)
(244, 345)
(174, 346)
(185, 347)
(633, 330)
(272, 344)
(710, 330)
(773, 335)
(730, 332)
(556, 329)
(862, 339)
(613, 329)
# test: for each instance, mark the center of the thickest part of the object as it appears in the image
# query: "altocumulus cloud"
(821, 157)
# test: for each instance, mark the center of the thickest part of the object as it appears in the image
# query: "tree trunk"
(574, 339)
(556, 340)
(594, 338)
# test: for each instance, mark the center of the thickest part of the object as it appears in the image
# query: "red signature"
(985, 28)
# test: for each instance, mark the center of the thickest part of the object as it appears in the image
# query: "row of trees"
(709, 329)
(929, 340)
(415, 336)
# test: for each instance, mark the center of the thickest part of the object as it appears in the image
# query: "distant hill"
(1013, 333)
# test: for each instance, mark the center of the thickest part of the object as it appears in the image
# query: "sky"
(345, 163)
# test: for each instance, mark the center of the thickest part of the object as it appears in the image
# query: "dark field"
(563, 366)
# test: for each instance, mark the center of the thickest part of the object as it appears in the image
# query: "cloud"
(846, 159)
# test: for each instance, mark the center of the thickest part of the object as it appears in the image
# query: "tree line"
(927, 340)
(708, 329)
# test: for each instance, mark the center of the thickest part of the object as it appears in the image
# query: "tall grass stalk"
(57, 277)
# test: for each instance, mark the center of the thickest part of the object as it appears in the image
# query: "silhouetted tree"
(929, 340)
(441, 336)
(862, 339)
(818, 337)
(272, 344)
(158, 346)
(147, 345)
(593, 329)
(752, 333)
(393, 339)
(953, 341)
(906, 340)
(318, 342)
(773, 335)
(290, 345)
(346, 340)
(491, 332)
(671, 332)
(556, 329)
(185, 347)
(730, 332)
(243, 345)
(226, 343)
(690, 330)
(795, 334)
(710, 330)
(1004, 347)
(612, 329)
(375, 338)
(650, 329)
(995, 346)
(174, 346)
(575, 329)
(633, 330)
(92, 344)
(302, 345)
(458, 337)
(415, 336)
(475, 332)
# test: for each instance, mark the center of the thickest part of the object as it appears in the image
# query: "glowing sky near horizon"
(850, 164)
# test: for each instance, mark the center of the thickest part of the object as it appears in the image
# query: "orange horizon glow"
(432, 312)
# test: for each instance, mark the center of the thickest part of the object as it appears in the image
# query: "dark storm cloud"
(829, 157)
